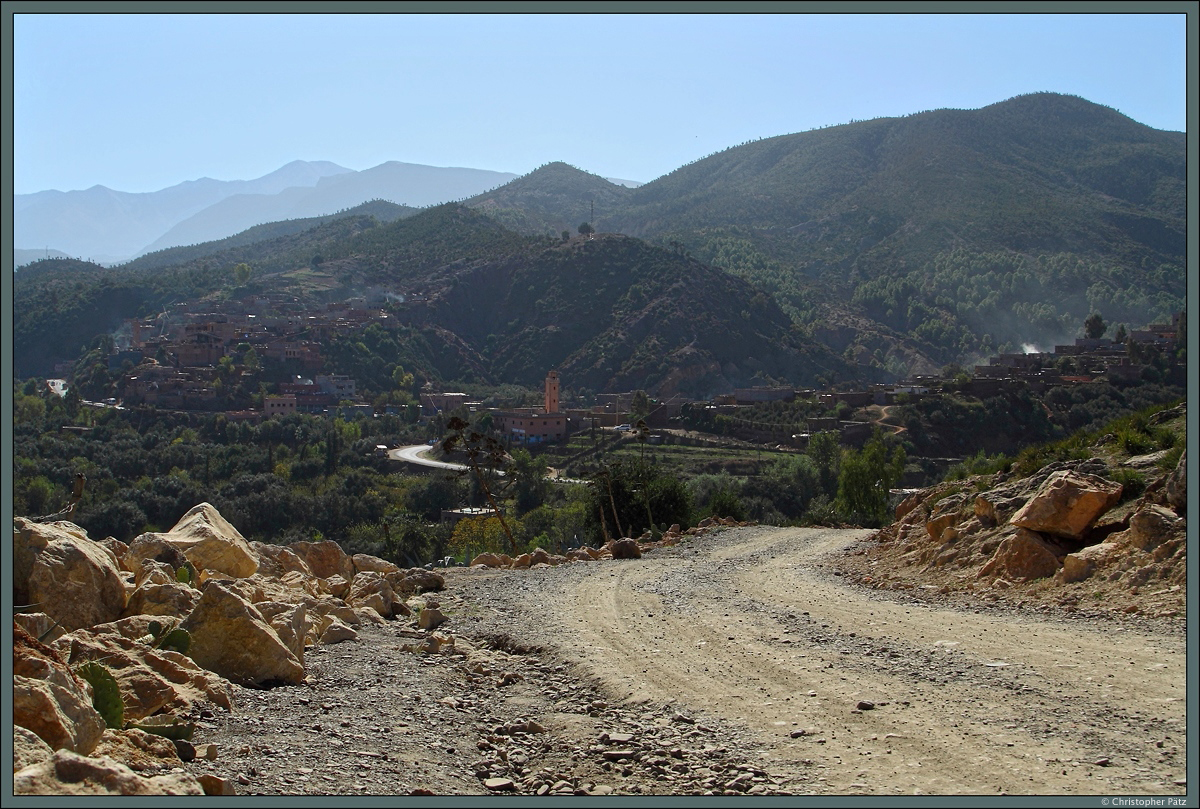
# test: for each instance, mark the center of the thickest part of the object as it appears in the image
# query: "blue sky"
(141, 102)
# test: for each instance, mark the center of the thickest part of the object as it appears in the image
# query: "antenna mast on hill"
(592, 220)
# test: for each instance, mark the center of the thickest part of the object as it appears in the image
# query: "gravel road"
(738, 662)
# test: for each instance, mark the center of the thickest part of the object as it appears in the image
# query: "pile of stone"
(623, 548)
(1061, 524)
(250, 610)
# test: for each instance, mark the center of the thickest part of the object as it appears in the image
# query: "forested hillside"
(900, 244)
(487, 305)
(955, 233)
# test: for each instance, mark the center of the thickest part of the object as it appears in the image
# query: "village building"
(536, 427)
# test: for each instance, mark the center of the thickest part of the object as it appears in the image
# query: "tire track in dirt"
(746, 627)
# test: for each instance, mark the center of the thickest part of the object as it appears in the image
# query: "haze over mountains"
(892, 246)
(110, 226)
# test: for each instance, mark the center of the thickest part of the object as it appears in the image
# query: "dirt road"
(738, 662)
(852, 692)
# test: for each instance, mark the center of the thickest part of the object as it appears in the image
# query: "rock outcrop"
(1067, 526)
(68, 773)
(231, 637)
(62, 573)
(50, 700)
(1068, 504)
(249, 611)
(209, 542)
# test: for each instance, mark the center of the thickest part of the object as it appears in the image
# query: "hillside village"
(172, 361)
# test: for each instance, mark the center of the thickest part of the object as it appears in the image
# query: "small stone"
(216, 785)
(1103, 761)
(796, 734)
(866, 705)
(617, 755)
(422, 791)
(500, 784)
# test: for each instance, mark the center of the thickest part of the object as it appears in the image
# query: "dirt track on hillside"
(751, 630)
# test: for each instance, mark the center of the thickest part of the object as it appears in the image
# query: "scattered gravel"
(738, 662)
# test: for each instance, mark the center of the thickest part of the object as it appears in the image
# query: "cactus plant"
(173, 639)
(186, 574)
(106, 694)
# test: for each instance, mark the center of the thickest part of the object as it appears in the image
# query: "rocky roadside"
(497, 716)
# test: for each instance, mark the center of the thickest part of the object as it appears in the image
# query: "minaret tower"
(552, 392)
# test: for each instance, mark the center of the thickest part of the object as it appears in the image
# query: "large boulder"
(490, 560)
(945, 513)
(69, 577)
(275, 560)
(231, 638)
(430, 618)
(50, 700)
(28, 748)
(1068, 504)
(153, 571)
(364, 563)
(1083, 563)
(415, 580)
(1151, 526)
(138, 750)
(151, 680)
(39, 625)
(290, 622)
(335, 632)
(324, 559)
(210, 543)
(371, 589)
(67, 773)
(1023, 556)
(626, 549)
(171, 599)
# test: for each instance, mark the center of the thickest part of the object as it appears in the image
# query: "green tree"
(639, 405)
(251, 361)
(826, 453)
(586, 229)
(631, 495)
(485, 457)
(1094, 327)
(530, 487)
(865, 480)
(241, 273)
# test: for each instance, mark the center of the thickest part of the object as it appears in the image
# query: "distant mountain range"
(108, 226)
(887, 247)
(111, 227)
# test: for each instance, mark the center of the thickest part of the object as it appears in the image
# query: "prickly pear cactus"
(186, 574)
(106, 694)
(176, 640)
